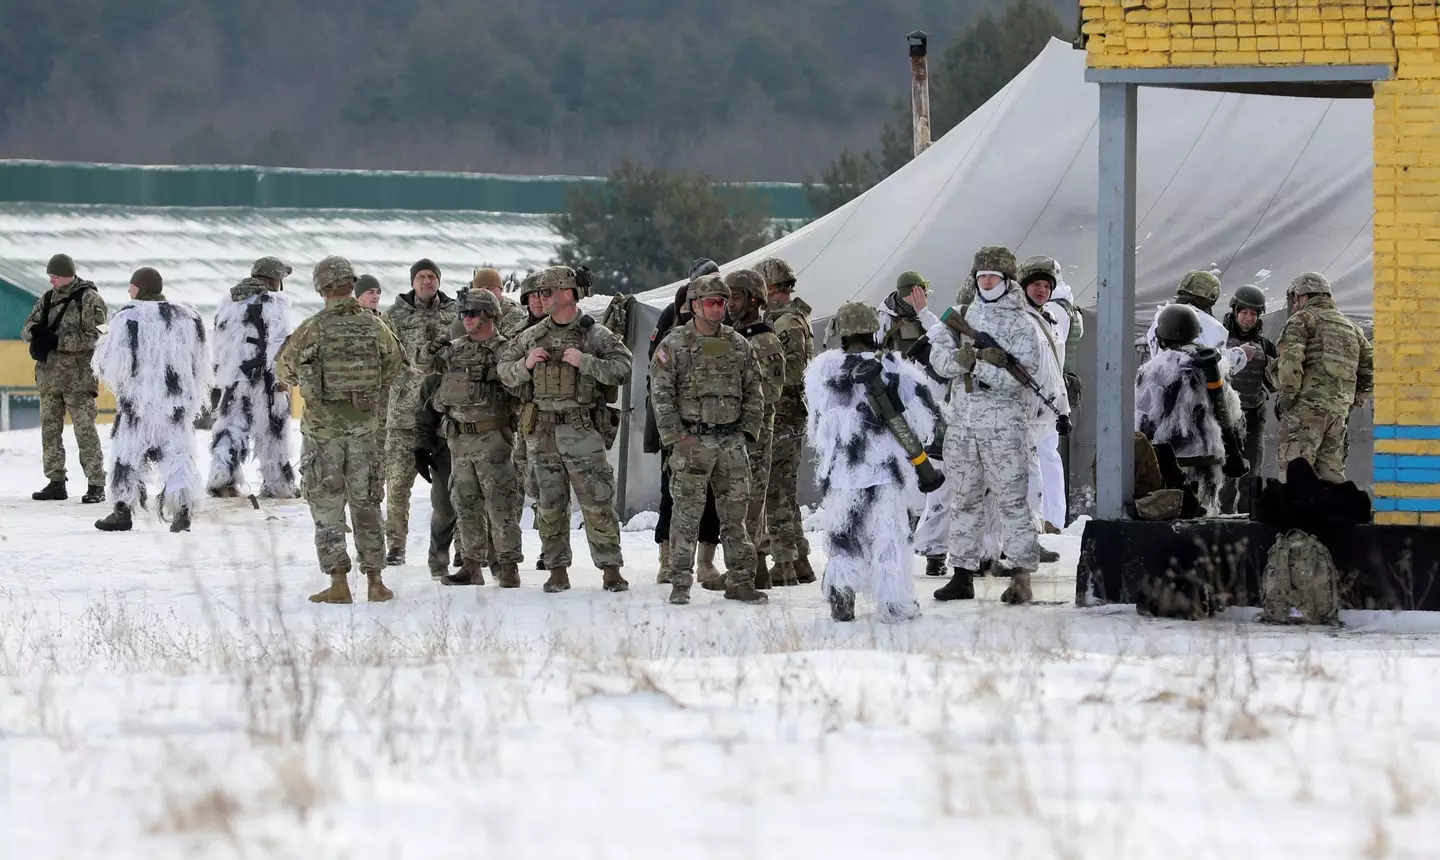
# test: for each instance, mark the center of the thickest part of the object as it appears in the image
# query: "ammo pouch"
(43, 341)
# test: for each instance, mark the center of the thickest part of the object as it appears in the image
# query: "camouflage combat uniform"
(415, 323)
(785, 531)
(430, 440)
(74, 312)
(1326, 368)
(478, 425)
(708, 406)
(769, 355)
(340, 358)
(565, 446)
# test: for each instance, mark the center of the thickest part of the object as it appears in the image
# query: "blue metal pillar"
(1116, 359)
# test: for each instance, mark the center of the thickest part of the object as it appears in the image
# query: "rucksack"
(349, 356)
(1300, 584)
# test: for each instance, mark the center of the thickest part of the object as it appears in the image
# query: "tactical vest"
(347, 361)
(470, 389)
(558, 385)
(903, 334)
(1072, 338)
(770, 356)
(1332, 356)
(1249, 383)
(715, 390)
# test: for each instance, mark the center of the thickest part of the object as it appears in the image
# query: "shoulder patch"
(662, 356)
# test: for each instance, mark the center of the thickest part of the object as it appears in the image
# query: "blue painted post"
(1116, 360)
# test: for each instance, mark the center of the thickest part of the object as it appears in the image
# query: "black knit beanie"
(148, 282)
(366, 283)
(61, 266)
(422, 265)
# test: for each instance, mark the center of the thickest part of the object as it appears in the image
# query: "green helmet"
(1177, 325)
(854, 318)
(1248, 296)
(708, 286)
(995, 258)
(776, 272)
(331, 273)
(560, 278)
(270, 267)
(480, 300)
(747, 281)
(1039, 268)
(1204, 287)
(530, 284)
(1309, 284)
(909, 280)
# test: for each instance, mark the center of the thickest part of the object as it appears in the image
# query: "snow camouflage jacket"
(1326, 362)
(1172, 406)
(1212, 334)
(854, 449)
(154, 358)
(997, 399)
(253, 324)
(415, 325)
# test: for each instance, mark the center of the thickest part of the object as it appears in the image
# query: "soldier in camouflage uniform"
(432, 463)
(62, 340)
(534, 313)
(790, 317)
(1253, 384)
(1326, 369)
(705, 385)
(747, 305)
(340, 358)
(479, 426)
(572, 365)
(416, 318)
(512, 317)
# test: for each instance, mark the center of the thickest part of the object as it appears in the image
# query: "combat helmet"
(908, 281)
(562, 278)
(1248, 296)
(747, 281)
(995, 258)
(1177, 325)
(529, 284)
(777, 273)
(332, 273)
(708, 286)
(854, 318)
(1198, 288)
(482, 301)
(1038, 268)
(1310, 284)
(271, 267)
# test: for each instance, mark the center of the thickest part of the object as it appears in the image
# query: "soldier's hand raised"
(572, 357)
(537, 355)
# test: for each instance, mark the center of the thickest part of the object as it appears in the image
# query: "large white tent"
(1258, 188)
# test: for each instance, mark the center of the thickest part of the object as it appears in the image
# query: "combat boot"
(762, 573)
(804, 573)
(783, 573)
(540, 562)
(226, 492)
(746, 592)
(280, 493)
(509, 576)
(1050, 528)
(613, 581)
(663, 577)
(559, 581)
(1019, 590)
(338, 592)
(960, 587)
(679, 595)
(395, 557)
(935, 565)
(181, 523)
(470, 573)
(1048, 556)
(705, 563)
(118, 521)
(842, 603)
(54, 491)
(377, 592)
(93, 495)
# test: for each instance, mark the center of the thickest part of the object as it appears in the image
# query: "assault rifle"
(883, 403)
(984, 340)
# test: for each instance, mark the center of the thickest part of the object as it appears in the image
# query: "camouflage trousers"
(759, 453)
(785, 533)
(1318, 436)
(997, 460)
(442, 514)
(81, 406)
(566, 456)
(339, 473)
(485, 491)
(399, 477)
(723, 464)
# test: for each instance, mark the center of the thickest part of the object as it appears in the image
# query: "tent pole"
(1116, 360)
(919, 42)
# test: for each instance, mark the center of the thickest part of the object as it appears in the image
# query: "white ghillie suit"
(865, 477)
(154, 358)
(252, 416)
(1172, 407)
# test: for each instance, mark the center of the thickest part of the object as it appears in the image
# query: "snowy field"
(176, 696)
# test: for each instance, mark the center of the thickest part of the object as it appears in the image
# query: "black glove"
(253, 368)
(424, 462)
(1062, 425)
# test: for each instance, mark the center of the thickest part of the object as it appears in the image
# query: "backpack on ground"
(1300, 584)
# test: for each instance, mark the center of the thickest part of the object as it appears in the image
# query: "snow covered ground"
(176, 695)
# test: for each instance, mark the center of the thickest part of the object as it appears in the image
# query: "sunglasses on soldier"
(472, 313)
